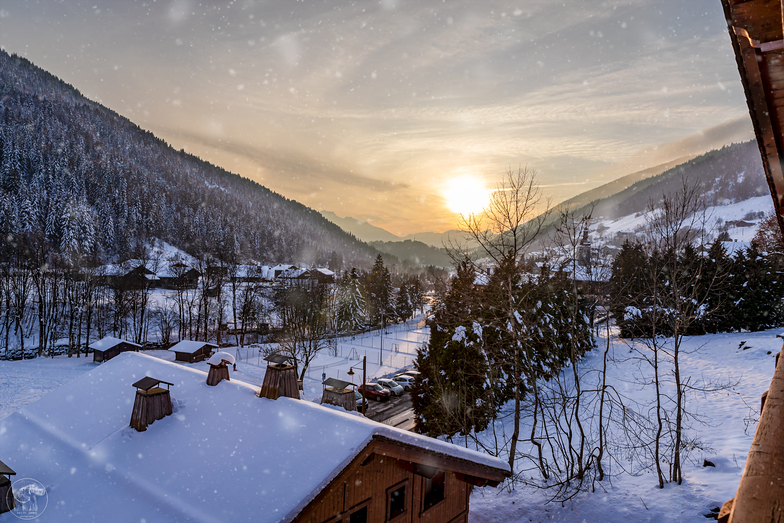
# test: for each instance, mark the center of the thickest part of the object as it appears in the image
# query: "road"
(397, 412)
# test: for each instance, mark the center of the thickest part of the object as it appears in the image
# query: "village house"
(224, 454)
(108, 347)
(192, 351)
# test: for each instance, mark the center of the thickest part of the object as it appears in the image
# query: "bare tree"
(504, 231)
(303, 311)
(675, 298)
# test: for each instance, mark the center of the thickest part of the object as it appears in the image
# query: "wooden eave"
(429, 458)
(756, 29)
(414, 458)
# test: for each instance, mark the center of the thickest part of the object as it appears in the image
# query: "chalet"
(317, 275)
(108, 347)
(292, 274)
(138, 277)
(192, 351)
(321, 275)
(139, 274)
(177, 275)
(7, 503)
(281, 268)
(283, 460)
(756, 30)
(251, 273)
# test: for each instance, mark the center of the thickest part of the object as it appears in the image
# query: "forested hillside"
(727, 175)
(82, 180)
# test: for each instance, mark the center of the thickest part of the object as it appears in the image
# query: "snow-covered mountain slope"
(88, 181)
(740, 220)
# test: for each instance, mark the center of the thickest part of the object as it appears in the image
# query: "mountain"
(415, 253)
(362, 230)
(728, 175)
(79, 180)
(371, 234)
(438, 239)
(619, 184)
(732, 185)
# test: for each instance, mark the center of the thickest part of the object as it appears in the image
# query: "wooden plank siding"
(384, 466)
(757, 33)
(756, 30)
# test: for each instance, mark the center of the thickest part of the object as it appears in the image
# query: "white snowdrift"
(218, 357)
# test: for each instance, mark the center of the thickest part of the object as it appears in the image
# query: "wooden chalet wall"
(196, 356)
(756, 29)
(380, 468)
(757, 33)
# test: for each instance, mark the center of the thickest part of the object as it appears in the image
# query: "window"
(396, 500)
(433, 490)
(356, 514)
(360, 516)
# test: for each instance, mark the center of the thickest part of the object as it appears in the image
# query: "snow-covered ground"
(716, 215)
(616, 500)
(625, 498)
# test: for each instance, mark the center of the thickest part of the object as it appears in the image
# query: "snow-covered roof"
(731, 248)
(293, 273)
(190, 347)
(219, 357)
(223, 455)
(109, 342)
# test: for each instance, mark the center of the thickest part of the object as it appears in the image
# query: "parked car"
(393, 386)
(359, 399)
(404, 380)
(413, 373)
(375, 391)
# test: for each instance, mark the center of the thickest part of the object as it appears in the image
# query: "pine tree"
(378, 287)
(629, 287)
(452, 395)
(351, 305)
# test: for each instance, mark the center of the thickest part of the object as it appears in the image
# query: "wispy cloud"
(370, 107)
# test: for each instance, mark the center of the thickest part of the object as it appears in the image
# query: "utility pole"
(381, 352)
(364, 380)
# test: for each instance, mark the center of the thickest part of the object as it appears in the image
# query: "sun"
(466, 195)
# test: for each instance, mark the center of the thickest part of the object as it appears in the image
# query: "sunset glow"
(466, 195)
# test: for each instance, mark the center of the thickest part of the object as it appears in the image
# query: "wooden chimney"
(340, 393)
(219, 368)
(280, 379)
(7, 501)
(152, 402)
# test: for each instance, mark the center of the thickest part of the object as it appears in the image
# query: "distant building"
(192, 351)
(108, 347)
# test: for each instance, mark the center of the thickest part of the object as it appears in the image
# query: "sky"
(400, 112)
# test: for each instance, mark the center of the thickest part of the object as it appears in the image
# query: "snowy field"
(23, 382)
(617, 499)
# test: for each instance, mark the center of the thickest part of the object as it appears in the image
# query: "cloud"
(292, 164)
